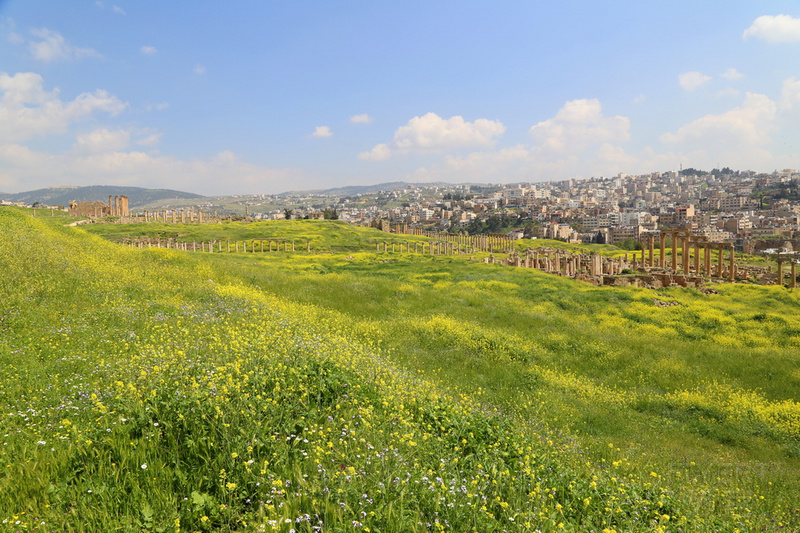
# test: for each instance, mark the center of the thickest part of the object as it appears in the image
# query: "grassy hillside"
(348, 390)
(97, 193)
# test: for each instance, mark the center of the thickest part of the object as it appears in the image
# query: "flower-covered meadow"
(156, 390)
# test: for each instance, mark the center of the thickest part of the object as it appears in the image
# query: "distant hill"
(365, 189)
(137, 196)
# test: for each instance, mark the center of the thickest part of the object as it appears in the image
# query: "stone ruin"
(117, 206)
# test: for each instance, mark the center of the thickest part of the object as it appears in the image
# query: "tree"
(287, 214)
(600, 238)
(475, 227)
(330, 214)
(494, 224)
(529, 231)
(629, 244)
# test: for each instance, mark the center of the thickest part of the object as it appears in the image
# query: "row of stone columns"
(432, 248)
(118, 206)
(255, 245)
(567, 264)
(492, 243)
(177, 215)
(793, 271)
(685, 251)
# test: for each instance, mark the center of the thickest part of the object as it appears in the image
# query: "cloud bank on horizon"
(257, 98)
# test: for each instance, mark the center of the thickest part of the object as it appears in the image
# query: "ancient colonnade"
(492, 242)
(702, 249)
(247, 246)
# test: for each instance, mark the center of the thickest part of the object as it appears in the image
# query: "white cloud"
(363, 118)
(577, 125)
(151, 140)
(148, 50)
(27, 110)
(639, 99)
(199, 69)
(738, 134)
(54, 47)
(322, 132)
(732, 74)
(790, 95)
(431, 133)
(485, 165)
(24, 169)
(691, 81)
(578, 141)
(380, 152)
(101, 141)
(774, 29)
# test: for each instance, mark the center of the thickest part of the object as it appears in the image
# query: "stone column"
(793, 273)
(674, 251)
(780, 272)
(732, 266)
(719, 262)
(697, 258)
(685, 252)
(707, 259)
(662, 259)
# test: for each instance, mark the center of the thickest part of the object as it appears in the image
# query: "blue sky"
(263, 97)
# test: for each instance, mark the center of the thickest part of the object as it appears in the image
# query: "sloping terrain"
(345, 390)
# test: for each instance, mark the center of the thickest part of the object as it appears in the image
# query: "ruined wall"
(88, 209)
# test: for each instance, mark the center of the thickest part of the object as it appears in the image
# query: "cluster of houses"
(718, 207)
(721, 206)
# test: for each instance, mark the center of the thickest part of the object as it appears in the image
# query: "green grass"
(365, 390)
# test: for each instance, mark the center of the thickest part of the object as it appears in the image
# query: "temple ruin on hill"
(117, 207)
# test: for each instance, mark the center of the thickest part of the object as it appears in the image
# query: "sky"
(261, 97)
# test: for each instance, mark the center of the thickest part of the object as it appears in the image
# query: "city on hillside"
(753, 211)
